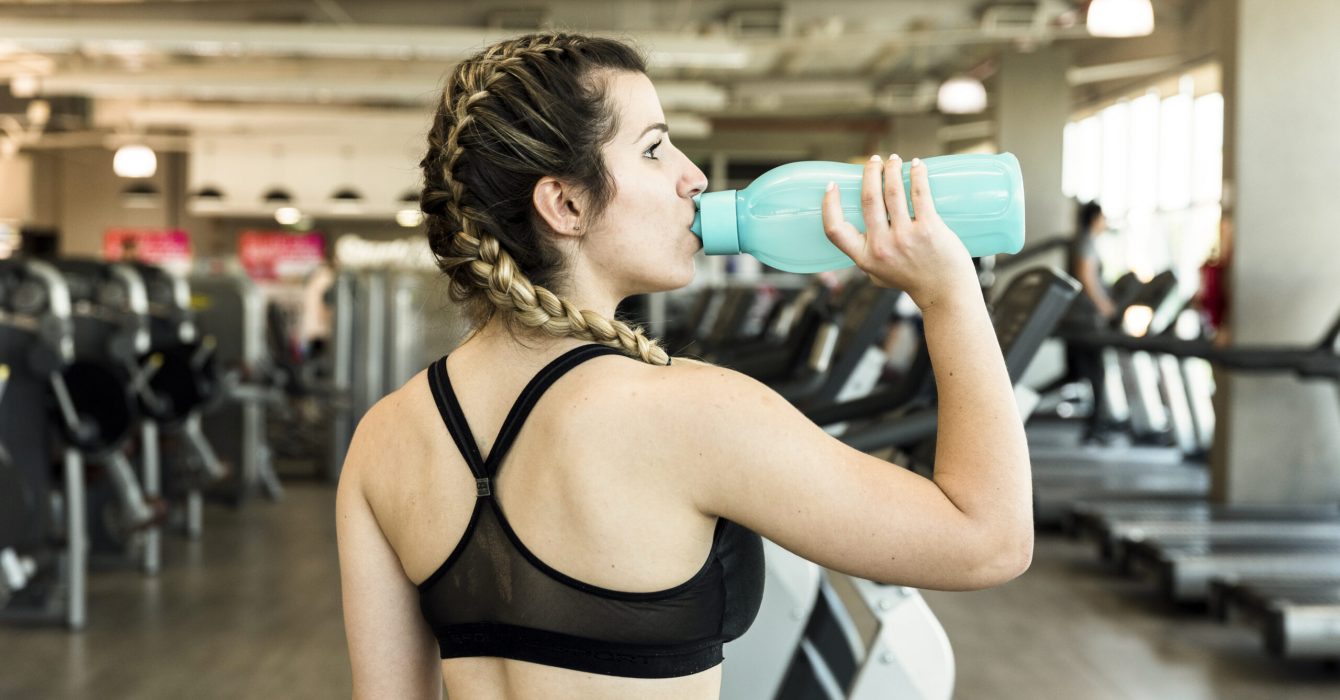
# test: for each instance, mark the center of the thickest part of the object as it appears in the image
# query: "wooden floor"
(252, 611)
(1071, 628)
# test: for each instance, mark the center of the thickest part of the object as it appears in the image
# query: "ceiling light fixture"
(961, 95)
(347, 200)
(277, 196)
(135, 160)
(409, 214)
(208, 197)
(23, 85)
(288, 216)
(140, 195)
(1120, 18)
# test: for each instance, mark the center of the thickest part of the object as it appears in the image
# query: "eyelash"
(651, 152)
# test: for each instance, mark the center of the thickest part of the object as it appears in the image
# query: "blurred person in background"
(1092, 310)
(1212, 297)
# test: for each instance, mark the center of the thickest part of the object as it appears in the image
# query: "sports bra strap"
(450, 408)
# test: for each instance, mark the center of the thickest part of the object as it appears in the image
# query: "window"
(1154, 159)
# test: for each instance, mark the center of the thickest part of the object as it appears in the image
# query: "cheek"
(651, 238)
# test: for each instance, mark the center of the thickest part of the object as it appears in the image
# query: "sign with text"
(169, 249)
(279, 255)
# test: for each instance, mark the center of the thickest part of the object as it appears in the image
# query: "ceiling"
(209, 66)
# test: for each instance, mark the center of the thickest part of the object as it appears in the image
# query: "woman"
(607, 549)
(1093, 310)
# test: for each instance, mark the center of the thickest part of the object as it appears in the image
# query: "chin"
(687, 272)
(670, 279)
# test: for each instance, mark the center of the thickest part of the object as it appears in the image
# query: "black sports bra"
(493, 597)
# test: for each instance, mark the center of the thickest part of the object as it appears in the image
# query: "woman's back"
(579, 487)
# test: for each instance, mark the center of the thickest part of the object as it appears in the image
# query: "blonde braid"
(478, 262)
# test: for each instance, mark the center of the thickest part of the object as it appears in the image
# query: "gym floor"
(253, 610)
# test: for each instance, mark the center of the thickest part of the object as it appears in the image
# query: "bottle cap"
(715, 222)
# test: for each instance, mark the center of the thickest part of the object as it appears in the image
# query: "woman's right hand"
(921, 255)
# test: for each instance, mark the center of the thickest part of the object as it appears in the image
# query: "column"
(1279, 437)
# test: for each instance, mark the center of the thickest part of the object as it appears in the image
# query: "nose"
(693, 182)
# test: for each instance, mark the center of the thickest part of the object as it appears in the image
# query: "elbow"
(1007, 561)
(1018, 557)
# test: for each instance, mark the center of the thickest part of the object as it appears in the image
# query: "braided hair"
(520, 110)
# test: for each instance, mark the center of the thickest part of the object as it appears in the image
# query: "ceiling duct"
(966, 131)
(1008, 19)
(141, 194)
(227, 41)
(1024, 18)
(908, 98)
(803, 95)
(757, 22)
(66, 112)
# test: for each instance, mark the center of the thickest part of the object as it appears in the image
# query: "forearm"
(981, 459)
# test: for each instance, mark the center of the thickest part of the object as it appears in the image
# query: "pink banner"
(170, 249)
(276, 255)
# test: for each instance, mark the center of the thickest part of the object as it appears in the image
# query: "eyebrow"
(653, 127)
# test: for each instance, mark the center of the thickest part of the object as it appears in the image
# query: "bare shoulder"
(401, 425)
(689, 417)
(715, 401)
(672, 395)
(645, 407)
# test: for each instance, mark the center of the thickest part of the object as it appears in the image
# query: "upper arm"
(754, 459)
(391, 649)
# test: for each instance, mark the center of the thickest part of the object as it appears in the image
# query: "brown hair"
(520, 110)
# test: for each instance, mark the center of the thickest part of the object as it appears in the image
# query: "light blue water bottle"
(777, 217)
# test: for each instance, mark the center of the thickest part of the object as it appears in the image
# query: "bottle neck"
(716, 222)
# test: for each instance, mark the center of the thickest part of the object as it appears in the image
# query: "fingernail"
(893, 158)
(829, 188)
(916, 162)
(875, 158)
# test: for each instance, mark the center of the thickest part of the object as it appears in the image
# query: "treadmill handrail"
(1320, 360)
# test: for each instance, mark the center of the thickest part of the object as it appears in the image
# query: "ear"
(559, 205)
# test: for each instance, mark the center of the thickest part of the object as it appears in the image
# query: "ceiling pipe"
(388, 42)
(1123, 70)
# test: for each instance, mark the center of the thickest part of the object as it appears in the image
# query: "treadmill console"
(1026, 313)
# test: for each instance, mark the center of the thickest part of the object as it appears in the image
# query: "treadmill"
(1297, 614)
(845, 342)
(1297, 617)
(1133, 380)
(1024, 316)
(1188, 546)
(779, 330)
(1167, 466)
(783, 350)
(723, 319)
(1117, 527)
(1184, 566)
(685, 327)
(1062, 431)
